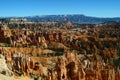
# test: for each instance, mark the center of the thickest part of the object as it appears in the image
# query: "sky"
(95, 8)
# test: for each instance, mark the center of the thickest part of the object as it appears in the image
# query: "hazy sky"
(97, 8)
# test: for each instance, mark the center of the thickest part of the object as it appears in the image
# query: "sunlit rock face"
(69, 66)
(4, 67)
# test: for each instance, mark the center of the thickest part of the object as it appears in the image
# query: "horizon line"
(56, 15)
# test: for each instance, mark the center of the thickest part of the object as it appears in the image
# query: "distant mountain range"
(73, 18)
(82, 19)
